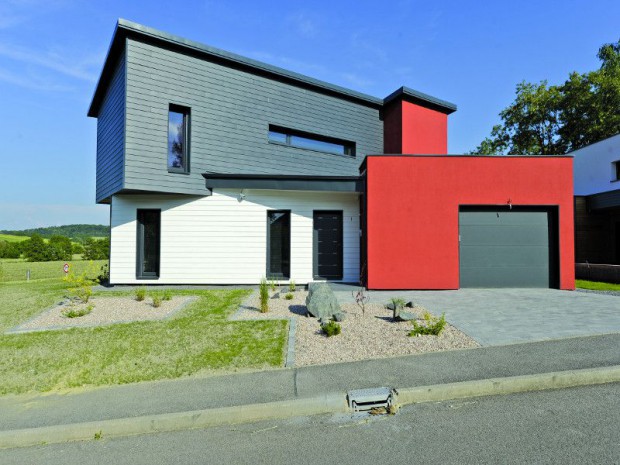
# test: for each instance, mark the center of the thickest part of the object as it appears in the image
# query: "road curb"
(331, 403)
(328, 403)
(509, 385)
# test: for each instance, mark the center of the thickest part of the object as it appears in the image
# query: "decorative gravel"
(373, 335)
(106, 310)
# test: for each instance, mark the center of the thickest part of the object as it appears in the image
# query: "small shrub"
(79, 286)
(140, 294)
(104, 274)
(272, 285)
(432, 326)
(331, 328)
(398, 304)
(156, 301)
(289, 296)
(291, 286)
(263, 291)
(167, 294)
(77, 312)
(98, 435)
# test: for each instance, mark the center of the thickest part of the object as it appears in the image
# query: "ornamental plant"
(263, 291)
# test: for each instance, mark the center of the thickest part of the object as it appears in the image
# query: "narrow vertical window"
(178, 139)
(148, 242)
(278, 244)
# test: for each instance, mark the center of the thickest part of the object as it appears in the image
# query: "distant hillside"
(74, 231)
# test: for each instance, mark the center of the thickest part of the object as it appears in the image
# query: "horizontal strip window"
(304, 140)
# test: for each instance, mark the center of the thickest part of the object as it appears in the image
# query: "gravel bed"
(106, 310)
(373, 335)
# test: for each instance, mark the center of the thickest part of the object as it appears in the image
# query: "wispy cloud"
(15, 12)
(304, 24)
(356, 80)
(56, 60)
(32, 82)
(368, 47)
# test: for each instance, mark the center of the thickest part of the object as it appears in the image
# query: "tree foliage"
(554, 119)
(73, 231)
(96, 249)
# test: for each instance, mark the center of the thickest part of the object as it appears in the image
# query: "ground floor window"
(278, 244)
(148, 243)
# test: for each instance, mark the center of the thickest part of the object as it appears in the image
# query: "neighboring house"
(597, 203)
(221, 170)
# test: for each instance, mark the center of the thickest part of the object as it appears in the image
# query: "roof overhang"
(127, 29)
(284, 182)
(420, 98)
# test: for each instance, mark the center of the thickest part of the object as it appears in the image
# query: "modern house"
(219, 169)
(597, 210)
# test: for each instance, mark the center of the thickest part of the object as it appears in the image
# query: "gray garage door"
(506, 248)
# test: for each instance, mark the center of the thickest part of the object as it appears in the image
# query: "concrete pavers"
(508, 316)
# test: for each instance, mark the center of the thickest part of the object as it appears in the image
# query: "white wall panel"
(220, 240)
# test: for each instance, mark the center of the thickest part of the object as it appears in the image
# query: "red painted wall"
(411, 128)
(412, 212)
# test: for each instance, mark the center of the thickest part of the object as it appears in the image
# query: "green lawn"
(16, 269)
(597, 286)
(199, 339)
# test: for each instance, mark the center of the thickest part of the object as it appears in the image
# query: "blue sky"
(469, 53)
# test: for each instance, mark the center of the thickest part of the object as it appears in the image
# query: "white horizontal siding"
(219, 240)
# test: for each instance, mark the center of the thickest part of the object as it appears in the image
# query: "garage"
(508, 247)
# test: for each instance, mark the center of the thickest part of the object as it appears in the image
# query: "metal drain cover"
(364, 400)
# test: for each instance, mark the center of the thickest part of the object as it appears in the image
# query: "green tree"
(60, 247)
(9, 249)
(96, 249)
(36, 250)
(546, 120)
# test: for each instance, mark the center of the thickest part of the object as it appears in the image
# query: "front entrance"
(327, 245)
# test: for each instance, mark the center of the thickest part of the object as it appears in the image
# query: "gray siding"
(230, 114)
(111, 136)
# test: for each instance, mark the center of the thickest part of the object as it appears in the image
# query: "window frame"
(186, 112)
(349, 147)
(615, 166)
(268, 272)
(140, 274)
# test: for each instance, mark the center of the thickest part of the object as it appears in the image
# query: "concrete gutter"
(324, 404)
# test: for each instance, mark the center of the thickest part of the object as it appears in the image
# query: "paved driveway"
(507, 316)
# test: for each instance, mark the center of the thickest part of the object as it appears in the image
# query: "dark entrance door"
(327, 245)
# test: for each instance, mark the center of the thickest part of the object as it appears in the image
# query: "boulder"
(322, 303)
(405, 316)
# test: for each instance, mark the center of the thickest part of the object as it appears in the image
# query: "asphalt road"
(579, 425)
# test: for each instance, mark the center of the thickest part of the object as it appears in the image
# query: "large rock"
(322, 303)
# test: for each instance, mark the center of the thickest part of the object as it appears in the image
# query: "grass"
(199, 339)
(11, 238)
(597, 286)
(15, 269)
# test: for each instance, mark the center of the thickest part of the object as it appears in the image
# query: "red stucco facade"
(412, 212)
(413, 128)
